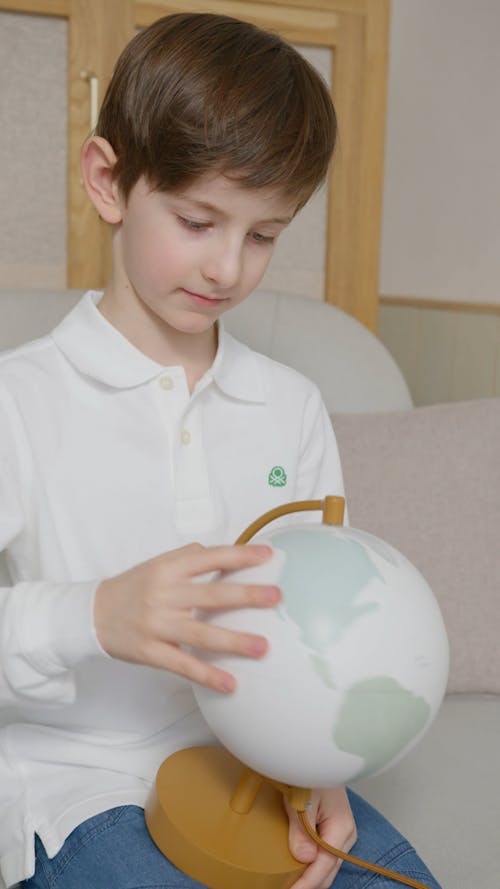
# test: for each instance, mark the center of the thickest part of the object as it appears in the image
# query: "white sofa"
(428, 481)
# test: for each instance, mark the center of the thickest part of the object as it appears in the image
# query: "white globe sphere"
(357, 666)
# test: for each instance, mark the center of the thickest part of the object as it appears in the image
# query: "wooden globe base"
(189, 817)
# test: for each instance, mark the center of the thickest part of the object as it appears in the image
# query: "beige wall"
(444, 355)
(441, 218)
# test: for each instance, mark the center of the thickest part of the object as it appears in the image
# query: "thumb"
(302, 847)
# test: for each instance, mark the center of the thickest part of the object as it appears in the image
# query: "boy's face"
(191, 255)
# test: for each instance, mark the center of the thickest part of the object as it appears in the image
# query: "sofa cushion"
(444, 795)
(427, 480)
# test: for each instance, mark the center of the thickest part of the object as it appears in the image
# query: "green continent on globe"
(377, 719)
(324, 605)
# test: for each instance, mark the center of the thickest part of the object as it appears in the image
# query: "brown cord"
(399, 878)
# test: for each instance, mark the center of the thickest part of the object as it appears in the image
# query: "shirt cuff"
(57, 627)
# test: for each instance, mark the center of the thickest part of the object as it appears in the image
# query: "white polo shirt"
(106, 460)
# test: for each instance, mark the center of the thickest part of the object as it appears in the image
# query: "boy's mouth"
(211, 301)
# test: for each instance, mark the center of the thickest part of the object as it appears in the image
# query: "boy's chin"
(192, 322)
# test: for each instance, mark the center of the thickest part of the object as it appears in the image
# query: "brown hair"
(199, 92)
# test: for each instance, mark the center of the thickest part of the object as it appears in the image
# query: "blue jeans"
(113, 850)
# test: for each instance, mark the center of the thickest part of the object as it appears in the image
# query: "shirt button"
(185, 437)
(166, 383)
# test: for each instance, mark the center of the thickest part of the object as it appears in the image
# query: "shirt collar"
(100, 351)
(237, 370)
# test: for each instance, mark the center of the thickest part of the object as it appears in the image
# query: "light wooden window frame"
(356, 32)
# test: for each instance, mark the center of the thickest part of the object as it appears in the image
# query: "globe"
(357, 663)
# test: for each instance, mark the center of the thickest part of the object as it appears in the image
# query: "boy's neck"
(195, 352)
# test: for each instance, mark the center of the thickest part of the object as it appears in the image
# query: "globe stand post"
(217, 820)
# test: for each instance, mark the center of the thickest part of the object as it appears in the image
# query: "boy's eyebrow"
(205, 205)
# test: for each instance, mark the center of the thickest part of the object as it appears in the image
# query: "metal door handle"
(93, 82)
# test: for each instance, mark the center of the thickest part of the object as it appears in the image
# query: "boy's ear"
(96, 163)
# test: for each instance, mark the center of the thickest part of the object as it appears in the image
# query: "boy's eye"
(192, 224)
(195, 225)
(262, 239)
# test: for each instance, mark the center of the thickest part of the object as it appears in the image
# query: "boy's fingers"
(300, 844)
(320, 873)
(220, 595)
(217, 639)
(322, 866)
(194, 560)
(174, 659)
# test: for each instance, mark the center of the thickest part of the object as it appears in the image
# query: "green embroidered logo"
(277, 477)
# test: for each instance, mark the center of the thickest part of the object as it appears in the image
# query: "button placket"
(182, 418)
(171, 397)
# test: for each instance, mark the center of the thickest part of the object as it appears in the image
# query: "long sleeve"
(45, 628)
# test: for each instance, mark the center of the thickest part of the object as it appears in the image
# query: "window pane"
(33, 121)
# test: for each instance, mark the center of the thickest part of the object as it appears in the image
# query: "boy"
(139, 426)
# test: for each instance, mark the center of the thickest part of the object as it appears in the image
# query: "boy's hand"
(331, 816)
(145, 614)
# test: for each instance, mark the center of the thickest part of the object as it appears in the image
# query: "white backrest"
(353, 369)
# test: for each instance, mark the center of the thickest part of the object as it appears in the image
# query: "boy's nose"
(222, 265)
